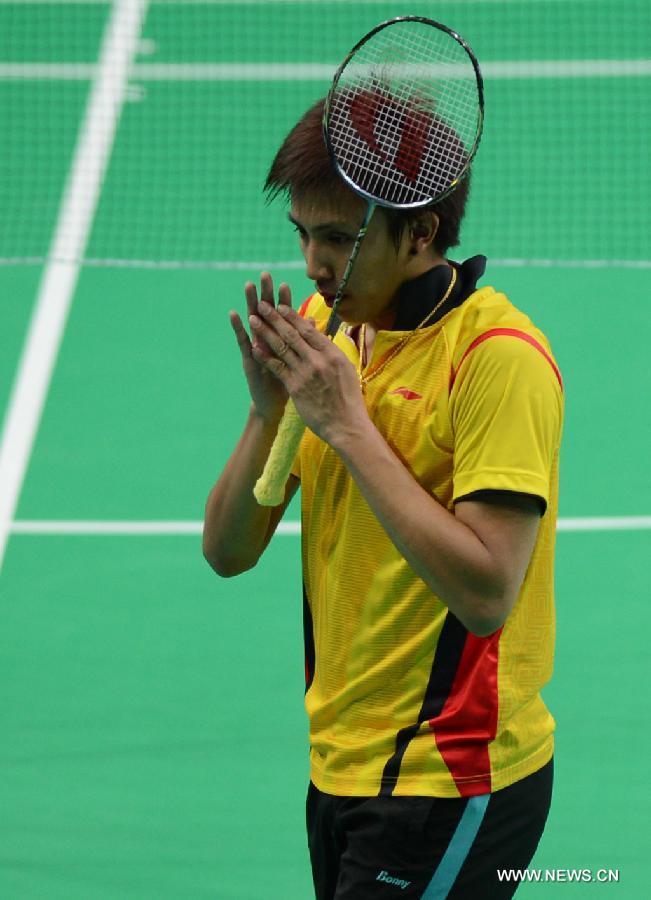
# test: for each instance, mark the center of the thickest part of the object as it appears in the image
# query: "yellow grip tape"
(269, 489)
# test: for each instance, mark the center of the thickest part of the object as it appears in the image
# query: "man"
(428, 478)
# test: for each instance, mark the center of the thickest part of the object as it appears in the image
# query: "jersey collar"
(420, 295)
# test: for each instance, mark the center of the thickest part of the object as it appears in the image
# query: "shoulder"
(491, 334)
(315, 308)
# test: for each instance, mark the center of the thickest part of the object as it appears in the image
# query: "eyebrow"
(326, 226)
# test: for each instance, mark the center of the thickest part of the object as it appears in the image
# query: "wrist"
(348, 438)
(267, 421)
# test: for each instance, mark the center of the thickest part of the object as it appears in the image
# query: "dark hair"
(302, 166)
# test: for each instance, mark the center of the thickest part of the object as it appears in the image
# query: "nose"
(317, 267)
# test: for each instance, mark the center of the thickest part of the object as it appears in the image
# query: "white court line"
(599, 523)
(571, 263)
(233, 265)
(124, 528)
(288, 71)
(270, 2)
(59, 279)
(605, 523)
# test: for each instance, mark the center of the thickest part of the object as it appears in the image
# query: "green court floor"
(154, 743)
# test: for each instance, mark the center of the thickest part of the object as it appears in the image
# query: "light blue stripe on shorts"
(458, 849)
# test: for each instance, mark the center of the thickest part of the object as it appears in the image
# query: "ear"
(422, 231)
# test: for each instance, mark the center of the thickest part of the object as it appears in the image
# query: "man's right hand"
(267, 392)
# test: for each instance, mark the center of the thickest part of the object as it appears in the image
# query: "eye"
(300, 232)
(339, 238)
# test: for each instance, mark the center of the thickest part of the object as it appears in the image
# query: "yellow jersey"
(401, 698)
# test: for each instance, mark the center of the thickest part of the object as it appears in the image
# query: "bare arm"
(474, 559)
(236, 529)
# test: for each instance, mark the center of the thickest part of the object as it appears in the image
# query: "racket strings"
(404, 118)
(442, 159)
(403, 54)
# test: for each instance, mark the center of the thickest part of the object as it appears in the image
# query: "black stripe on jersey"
(444, 668)
(308, 642)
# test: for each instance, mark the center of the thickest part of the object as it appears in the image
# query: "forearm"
(443, 551)
(236, 526)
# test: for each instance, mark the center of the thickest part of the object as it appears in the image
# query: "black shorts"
(426, 847)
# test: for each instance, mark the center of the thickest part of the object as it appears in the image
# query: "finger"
(276, 366)
(251, 294)
(267, 288)
(281, 344)
(243, 339)
(305, 327)
(284, 295)
(280, 334)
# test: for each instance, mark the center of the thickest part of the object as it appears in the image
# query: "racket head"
(404, 115)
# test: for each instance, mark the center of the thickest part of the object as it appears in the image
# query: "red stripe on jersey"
(303, 307)
(508, 332)
(468, 719)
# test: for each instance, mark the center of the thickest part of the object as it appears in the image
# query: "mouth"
(329, 297)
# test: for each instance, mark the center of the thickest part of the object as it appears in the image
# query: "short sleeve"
(506, 407)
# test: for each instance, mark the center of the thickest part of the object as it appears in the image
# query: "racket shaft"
(270, 487)
(334, 322)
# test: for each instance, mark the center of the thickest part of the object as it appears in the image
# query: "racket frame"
(480, 118)
(373, 201)
(270, 487)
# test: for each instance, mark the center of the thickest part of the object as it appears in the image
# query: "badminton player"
(428, 478)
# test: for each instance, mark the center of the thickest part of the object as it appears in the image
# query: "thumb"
(243, 340)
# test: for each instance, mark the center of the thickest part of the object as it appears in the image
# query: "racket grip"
(269, 489)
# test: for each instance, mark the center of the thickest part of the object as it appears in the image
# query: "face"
(327, 233)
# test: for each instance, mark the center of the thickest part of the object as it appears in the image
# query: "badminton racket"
(402, 123)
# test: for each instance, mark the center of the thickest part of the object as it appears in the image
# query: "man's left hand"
(317, 375)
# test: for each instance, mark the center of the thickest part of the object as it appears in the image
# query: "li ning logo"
(389, 879)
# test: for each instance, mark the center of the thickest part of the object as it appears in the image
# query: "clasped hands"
(316, 374)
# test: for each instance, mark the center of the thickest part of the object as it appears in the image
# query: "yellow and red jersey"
(401, 698)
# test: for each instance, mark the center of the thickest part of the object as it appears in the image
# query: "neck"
(386, 319)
